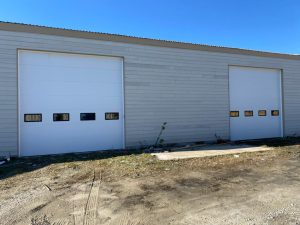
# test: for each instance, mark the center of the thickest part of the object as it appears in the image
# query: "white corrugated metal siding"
(186, 88)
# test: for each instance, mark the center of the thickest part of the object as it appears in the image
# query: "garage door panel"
(69, 83)
(89, 86)
(255, 89)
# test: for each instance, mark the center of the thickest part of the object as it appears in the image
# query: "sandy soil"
(255, 188)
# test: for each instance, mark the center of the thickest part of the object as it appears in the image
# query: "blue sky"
(270, 25)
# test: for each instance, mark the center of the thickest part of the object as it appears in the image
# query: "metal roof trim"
(28, 28)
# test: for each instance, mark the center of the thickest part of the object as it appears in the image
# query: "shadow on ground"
(27, 164)
(273, 142)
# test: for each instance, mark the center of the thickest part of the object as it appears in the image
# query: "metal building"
(72, 91)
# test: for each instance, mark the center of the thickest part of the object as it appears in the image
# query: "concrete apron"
(210, 150)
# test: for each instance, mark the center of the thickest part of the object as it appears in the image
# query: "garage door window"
(275, 112)
(248, 113)
(61, 117)
(87, 116)
(262, 112)
(33, 117)
(112, 116)
(234, 113)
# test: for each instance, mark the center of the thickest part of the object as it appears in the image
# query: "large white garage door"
(69, 103)
(255, 103)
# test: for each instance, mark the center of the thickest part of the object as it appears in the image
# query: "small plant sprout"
(219, 139)
(159, 140)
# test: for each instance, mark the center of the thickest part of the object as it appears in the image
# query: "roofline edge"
(28, 28)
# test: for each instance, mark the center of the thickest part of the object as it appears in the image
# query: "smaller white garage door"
(69, 103)
(255, 103)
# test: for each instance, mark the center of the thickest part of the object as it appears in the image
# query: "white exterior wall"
(188, 89)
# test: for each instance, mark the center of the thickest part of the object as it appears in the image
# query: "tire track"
(91, 206)
(88, 203)
(127, 219)
(96, 208)
(61, 222)
(78, 209)
(81, 201)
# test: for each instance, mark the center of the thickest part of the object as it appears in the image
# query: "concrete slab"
(209, 150)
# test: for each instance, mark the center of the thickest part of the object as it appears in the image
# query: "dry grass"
(118, 165)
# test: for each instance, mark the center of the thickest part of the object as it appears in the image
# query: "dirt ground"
(131, 189)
